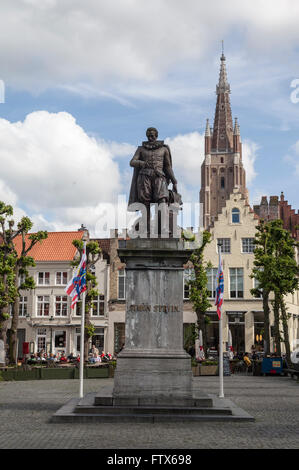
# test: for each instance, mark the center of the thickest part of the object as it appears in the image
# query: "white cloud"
(249, 155)
(293, 158)
(187, 153)
(49, 161)
(67, 43)
(54, 170)
(63, 177)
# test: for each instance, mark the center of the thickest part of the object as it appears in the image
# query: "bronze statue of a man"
(152, 171)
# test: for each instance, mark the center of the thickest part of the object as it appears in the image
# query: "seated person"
(91, 359)
(247, 360)
(63, 357)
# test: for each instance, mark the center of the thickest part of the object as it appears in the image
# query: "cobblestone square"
(26, 408)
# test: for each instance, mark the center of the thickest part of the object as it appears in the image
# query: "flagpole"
(221, 393)
(82, 345)
(81, 374)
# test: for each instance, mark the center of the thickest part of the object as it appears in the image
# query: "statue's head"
(152, 134)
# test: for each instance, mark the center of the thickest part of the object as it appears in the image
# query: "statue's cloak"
(133, 197)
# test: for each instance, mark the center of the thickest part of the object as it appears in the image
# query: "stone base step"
(149, 410)
(73, 412)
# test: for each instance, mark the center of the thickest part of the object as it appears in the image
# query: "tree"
(276, 271)
(8, 291)
(93, 254)
(284, 276)
(23, 262)
(199, 291)
(12, 265)
(261, 272)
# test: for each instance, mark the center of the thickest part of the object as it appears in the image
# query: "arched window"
(235, 216)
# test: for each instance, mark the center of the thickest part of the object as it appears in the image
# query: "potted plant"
(208, 368)
(195, 367)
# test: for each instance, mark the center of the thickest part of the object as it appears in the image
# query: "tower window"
(222, 182)
(235, 216)
(221, 159)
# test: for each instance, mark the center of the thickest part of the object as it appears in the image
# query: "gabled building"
(278, 208)
(46, 320)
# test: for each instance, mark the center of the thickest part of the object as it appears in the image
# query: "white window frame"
(41, 334)
(188, 275)
(237, 278)
(63, 303)
(213, 281)
(225, 243)
(42, 302)
(100, 300)
(61, 283)
(121, 275)
(248, 243)
(23, 305)
(43, 283)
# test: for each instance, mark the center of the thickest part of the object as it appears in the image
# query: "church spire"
(223, 124)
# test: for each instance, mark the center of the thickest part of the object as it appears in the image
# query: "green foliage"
(276, 270)
(199, 292)
(89, 330)
(12, 265)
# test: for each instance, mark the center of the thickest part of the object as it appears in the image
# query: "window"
(60, 339)
(222, 182)
(43, 305)
(247, 245)
(98, 339)
(41, 339)
(23, 306)
(43, 279)
(61, 305)
(235, 216)
(211, 275)
(121, 284)
(78, 308)
(236, 283)
(225, 245)
(61, 278)
(78, 339)
(188, 276)
(98, 306)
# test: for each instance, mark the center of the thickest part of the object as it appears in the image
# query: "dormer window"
(235, 216)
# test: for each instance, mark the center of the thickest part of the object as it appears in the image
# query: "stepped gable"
(278, 208)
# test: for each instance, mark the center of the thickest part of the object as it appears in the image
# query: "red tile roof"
(57, 247)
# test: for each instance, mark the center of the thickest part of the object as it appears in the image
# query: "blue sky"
(83, 80)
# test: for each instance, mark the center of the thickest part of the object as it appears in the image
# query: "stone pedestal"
(153, 379)
(153, 367)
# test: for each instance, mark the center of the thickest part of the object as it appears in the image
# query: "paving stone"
(26, 409)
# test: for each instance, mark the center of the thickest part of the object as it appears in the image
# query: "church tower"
(222, 169)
